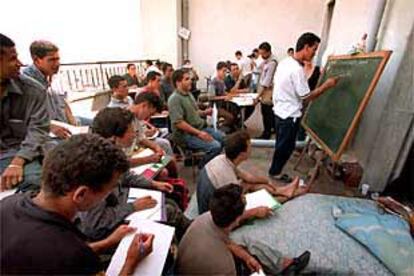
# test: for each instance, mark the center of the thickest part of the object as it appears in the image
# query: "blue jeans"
(83, 121)
(286, 132)
(212, 149)
(31, 174)
(205, 190)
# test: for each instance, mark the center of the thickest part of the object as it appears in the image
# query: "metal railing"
(93, 76)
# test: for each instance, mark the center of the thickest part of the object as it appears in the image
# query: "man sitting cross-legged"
(223, 170)
(38, 236)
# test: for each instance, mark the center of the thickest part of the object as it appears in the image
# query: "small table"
(244, 100)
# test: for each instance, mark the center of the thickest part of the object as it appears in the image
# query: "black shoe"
(281, 177)
(298, 264)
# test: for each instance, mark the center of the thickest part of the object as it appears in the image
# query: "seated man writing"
(24, 123)
(146, 105)
(116, 125)
(206, 248)
(119, 90)
(38, 235)
(188, 128)
(223, 170)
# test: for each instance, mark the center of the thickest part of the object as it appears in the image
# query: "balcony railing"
(93, 76)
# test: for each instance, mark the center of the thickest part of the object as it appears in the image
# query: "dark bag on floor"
(352, 174)
(180, 194)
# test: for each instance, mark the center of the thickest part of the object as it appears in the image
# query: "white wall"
(84, 30)
(350, 21)
(219, 28)
(160, 22)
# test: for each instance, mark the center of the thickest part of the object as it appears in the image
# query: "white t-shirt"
(290, 87)
(153, 68)
(245, 65)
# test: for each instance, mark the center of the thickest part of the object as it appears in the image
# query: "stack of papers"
(244, 99)
(156, 213)
(261, 198)
(153, 263)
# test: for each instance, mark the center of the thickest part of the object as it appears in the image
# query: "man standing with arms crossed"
(290, 90)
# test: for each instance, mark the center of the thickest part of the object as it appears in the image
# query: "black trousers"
(268, 120)
(287, 130)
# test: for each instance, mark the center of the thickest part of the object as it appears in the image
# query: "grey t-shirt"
(203, 250)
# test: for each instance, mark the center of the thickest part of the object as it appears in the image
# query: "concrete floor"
(259, 164)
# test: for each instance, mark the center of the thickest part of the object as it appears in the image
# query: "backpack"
(180, 193)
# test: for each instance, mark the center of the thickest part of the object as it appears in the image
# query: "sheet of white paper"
(242, 101)
(155, 213)
(260, 198)
(153, 263)
(214, 117)
(73, 129)
(140, 169)
(7, 193)
(260, 273)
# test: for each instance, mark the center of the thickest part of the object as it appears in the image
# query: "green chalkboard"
(331, 118)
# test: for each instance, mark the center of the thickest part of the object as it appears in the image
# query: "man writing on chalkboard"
(290, 90)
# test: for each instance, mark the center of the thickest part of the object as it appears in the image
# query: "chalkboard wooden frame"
(336, 155)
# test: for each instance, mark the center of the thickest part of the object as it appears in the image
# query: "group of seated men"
(73, 201)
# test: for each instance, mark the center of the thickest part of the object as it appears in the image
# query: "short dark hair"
(255, 50)
(85, 159)
(5, 42)
(265, 46)
(152, 75)
(114, 81)
(236, 143)
(151, 98)
(148, 62)
(129, 65)
(220, 65)
(309, 39)
(112, 121)
(234, 64)
(238, 53)
(290, 50)
(41, 48)
(165, 66)
(178, 75)
(226, 204)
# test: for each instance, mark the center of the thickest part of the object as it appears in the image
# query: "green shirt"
(131, 80)
(183, 107)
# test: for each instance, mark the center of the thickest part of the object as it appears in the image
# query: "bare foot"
(301, 190)
(288, 190)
